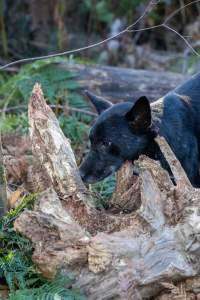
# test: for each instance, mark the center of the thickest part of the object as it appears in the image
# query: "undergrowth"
(103, 191)
(59, 87)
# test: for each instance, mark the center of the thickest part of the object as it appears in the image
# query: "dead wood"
(122, 84)
(127, 185)
(17, 158)
(113, 256)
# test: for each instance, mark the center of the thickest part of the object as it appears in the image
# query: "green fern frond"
(14, 122)
(73, 128)
(53, 290)
(103, 190)
(18, 87)
(15, 251)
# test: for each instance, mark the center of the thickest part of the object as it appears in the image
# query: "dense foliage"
(58, 87)
(48, 26)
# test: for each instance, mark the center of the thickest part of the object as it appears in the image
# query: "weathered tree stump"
(134, 255)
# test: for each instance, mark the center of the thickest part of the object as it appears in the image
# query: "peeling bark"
(132, 255)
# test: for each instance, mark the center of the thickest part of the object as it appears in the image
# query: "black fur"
(124, 131)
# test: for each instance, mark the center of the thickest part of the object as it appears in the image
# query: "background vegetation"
(30, 28)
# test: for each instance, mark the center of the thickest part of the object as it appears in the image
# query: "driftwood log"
(121, 84)
(150, 250)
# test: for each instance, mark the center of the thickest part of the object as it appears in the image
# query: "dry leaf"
(14, 198)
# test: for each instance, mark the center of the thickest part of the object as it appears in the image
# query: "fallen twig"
(64, 107)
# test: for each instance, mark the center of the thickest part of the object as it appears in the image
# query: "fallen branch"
(113, 256)
(63, 107)
(121, 84)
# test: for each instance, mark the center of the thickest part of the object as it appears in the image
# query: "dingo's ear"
(139, 116)
(99, 103)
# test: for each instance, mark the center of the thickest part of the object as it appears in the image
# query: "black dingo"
(124, 131)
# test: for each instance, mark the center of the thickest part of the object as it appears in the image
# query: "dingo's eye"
(106, 144)
(110, 148)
